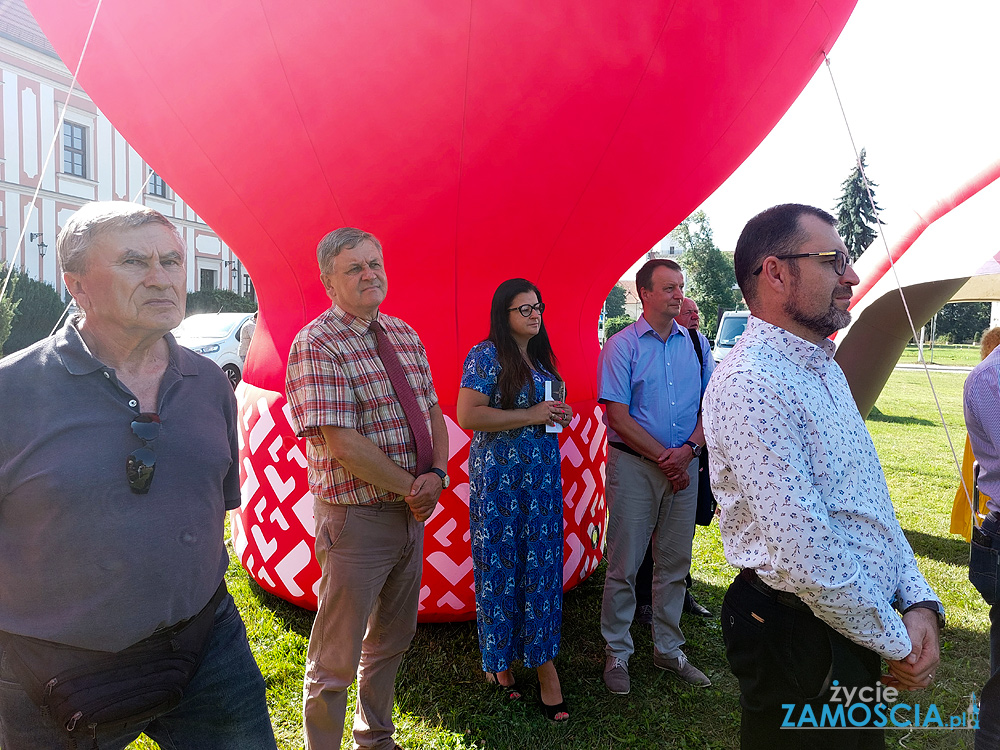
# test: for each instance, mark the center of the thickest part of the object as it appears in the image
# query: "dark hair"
(514, 372)
(644, 276)
(775, 231)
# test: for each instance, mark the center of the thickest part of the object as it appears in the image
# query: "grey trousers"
(643, 505)
(371, 557)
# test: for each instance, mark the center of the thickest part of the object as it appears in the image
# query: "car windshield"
(730, 331)
(206, 327)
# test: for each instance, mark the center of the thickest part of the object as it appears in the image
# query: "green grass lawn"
(966, 355)
(443, 702)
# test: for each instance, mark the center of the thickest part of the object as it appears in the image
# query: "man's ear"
(328, 286)
(775, 275)
(76, 288)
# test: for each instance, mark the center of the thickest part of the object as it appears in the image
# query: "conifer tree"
(856, 222)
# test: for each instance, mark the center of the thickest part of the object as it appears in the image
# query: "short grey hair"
(95, 219)
(345, 238)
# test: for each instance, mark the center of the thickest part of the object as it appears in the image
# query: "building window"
(157, 186)
(207, 279)
(74, 149)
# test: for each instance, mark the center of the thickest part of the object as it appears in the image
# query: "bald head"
(689, 315)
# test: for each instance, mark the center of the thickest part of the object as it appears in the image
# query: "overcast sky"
(920, 83)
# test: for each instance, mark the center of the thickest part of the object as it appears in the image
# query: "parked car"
(217, 336)
(731, 327)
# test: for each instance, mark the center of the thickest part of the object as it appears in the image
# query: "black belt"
(625, 449)
(749, 576)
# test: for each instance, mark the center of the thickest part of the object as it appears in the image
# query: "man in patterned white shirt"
(828, 585)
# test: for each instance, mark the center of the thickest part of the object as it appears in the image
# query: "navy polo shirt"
(83, 560)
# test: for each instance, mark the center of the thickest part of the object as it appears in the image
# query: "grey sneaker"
(680, 667)
(645, 615)
(616, 676)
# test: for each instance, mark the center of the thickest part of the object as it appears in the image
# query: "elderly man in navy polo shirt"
(651, 385)
(118, 461)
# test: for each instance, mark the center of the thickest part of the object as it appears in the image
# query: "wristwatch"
(934, 606)
(695, 448)
(445, 479)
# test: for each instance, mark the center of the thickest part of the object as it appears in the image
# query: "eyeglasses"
(141, 463)
(840, 260)
(525, 310)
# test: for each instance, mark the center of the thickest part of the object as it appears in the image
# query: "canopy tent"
(950, 254)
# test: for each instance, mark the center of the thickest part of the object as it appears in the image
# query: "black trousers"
(785, 655)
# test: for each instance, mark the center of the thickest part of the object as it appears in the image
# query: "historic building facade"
(83, 159)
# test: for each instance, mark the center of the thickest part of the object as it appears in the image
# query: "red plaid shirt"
(335, 378)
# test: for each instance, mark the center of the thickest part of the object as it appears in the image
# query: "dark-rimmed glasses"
(525, 310)
(840, 260)
(141, 463)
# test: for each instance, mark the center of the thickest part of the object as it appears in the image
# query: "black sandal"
(509, 692)
(551, 712)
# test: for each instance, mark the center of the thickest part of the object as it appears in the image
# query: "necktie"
(404, 392)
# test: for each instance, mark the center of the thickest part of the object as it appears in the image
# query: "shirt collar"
(356, 324)
(794, 348)
(642, 327)
(78, 360)
(73, 351)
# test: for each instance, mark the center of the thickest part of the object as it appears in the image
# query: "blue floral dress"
(516, 520)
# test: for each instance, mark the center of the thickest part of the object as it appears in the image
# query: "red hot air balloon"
(479, 141)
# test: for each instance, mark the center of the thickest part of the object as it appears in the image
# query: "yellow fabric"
(961, 511)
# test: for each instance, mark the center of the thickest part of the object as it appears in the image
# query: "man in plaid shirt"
(370, 497)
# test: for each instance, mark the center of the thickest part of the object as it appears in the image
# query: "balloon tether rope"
(56, 136)
(902, 295)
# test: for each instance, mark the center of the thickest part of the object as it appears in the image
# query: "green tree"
(711, 280)
(218, 300)
(962, 322)
(7, 308)
(614, 305)
(856, 221)
(38, 310)
(614, 325)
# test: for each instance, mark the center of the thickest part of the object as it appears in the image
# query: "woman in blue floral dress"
(515, 493)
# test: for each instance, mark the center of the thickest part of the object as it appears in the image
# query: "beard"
(825, 323)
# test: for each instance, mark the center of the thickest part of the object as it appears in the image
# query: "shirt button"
(133, 403)
(107, 374)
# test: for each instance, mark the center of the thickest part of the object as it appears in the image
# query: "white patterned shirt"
(803, 497)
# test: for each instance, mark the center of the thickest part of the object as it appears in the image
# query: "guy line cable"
(57, 134)
(902, 295)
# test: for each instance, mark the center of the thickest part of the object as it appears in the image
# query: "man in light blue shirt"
(651, 382)
(982, 420)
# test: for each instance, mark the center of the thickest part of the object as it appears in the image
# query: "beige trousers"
(371, 558)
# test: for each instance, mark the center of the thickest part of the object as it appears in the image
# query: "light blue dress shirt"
(982, 420)
(660, 381)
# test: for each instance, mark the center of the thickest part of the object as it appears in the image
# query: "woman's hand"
(565, 413)
(544, 412)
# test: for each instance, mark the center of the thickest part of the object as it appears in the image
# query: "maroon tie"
(404, 392)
